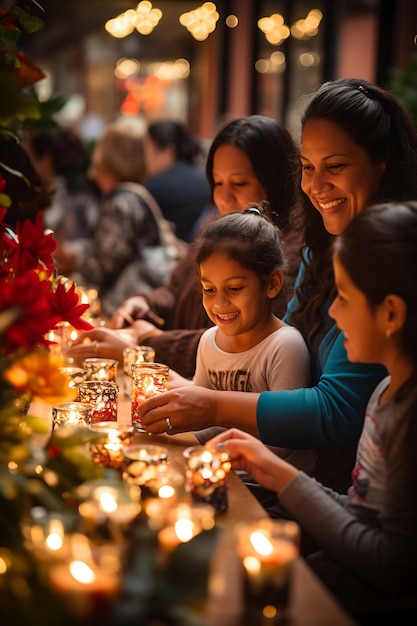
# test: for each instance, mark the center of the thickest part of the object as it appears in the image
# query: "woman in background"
(175, 178)
(251, 160)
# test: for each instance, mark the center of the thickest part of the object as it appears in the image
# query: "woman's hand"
(102, 342)
(133, 308)
(251, 455)
(188, 408)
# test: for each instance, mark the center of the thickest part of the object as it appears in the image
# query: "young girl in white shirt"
(241, 267)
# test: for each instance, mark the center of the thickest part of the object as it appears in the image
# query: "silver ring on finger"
(168, 421)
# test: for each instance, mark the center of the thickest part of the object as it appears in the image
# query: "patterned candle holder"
(71, 413)
(101, 369)
(148, 379)
(147, 467)
(184, 522)
(108, 506)
(102, 396)
(108, 452)
(267, 550)
(132, 355)
(74, 375)
(207, 470)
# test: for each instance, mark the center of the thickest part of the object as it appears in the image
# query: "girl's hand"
(251, 455)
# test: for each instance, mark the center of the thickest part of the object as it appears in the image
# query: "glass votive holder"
(102, 396)
(183, 523)
(108, 505)
(147, 467)
(207, 470)
(71, 413)
(267, 551)
(148, 379)
(132, 355)
(101, 369)
(108, 452)
(86, 588)
(46, 535)
(74, 375)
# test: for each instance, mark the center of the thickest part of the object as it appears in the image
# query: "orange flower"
(38, 374)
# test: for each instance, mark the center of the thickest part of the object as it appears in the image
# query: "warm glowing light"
(166, 491)
(200, 22)
(261, 543)
(126, 67)
(307, 27)
(144, 19)
(107, 502)
(82, 572)
(309, 59)
(274, 29)
(232, 21)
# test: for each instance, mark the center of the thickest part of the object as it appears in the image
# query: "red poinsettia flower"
(35, 247)
(30, 298)
(28, 73)
(65, 303)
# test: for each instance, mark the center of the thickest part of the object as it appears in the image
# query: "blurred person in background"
(175, 179)
(63, 162)
(117, 262)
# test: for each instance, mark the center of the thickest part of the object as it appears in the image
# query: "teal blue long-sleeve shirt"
(331, 412)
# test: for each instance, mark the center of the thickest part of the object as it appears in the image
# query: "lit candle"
(71, 413)
(115, 437)
(102, 396)
(184, 523)
(87, 589)
(101, 369)
(132, 355)
(267, 550)
(148, 379)
(147, 466)
(106, 504)
(207, 472)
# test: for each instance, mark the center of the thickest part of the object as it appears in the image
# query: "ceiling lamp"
(201, 21)
(144, 18)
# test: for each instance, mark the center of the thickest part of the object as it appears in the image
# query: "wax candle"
(101, 369)
(183, 523)
(267, 550)
(108, 452)
(148, 379)
(147, 466)
(132, 355)
(109, 504)
(71, 413)
(102, 396)
(74, 375)
(87, 589)
(207, 471)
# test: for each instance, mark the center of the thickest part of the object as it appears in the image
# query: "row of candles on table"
(178, 500)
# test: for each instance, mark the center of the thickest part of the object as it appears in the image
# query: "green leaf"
(30, 23)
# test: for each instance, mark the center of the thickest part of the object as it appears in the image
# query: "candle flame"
(261, 543)
(82, 572)
(184, 529)
(107, 502)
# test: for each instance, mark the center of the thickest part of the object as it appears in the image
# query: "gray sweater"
(369, 537)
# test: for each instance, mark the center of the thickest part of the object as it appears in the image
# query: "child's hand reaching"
(251, 455)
